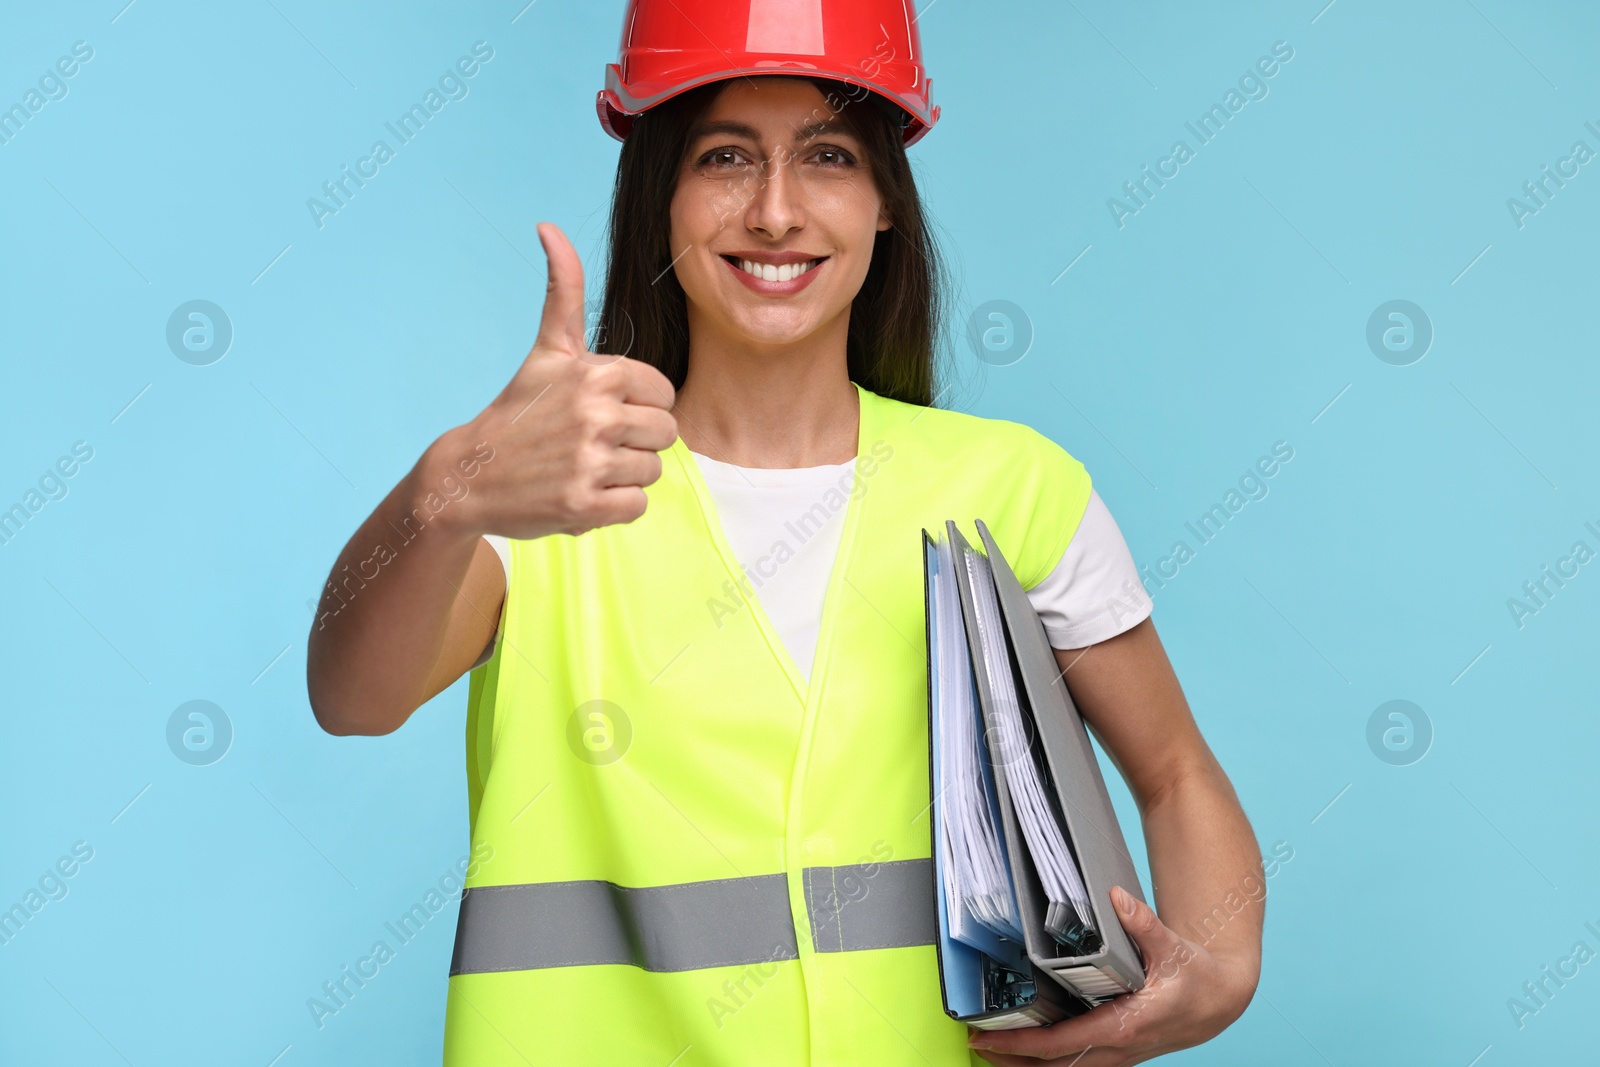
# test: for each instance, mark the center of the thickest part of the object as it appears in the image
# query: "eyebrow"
(805, 132)
(819, 127)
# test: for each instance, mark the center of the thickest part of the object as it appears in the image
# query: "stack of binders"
(1026, 844)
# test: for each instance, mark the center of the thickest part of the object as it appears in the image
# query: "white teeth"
(774, 273)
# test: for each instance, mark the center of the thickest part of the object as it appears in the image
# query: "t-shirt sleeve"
(502, 548)
(1094, 593)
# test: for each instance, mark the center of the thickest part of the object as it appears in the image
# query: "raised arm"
(567, 446)
(411, 602)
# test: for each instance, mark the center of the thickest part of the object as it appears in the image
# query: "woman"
(686, 575)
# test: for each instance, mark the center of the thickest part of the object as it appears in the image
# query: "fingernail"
(978, 1042)
(1124, 902)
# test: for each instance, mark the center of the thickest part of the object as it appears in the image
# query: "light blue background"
(1228, 314)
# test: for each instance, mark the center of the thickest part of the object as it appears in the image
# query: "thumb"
(561, 324)
(1157, 941)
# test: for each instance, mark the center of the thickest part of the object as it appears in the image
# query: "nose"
(777, 204)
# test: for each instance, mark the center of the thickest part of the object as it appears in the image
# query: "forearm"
(1206, 867)
(383, 617)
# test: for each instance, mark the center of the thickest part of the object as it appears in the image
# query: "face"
(774, 215)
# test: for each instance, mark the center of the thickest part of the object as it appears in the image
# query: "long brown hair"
(894, 333)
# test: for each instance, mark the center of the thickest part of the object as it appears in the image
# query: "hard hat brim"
(619, 104)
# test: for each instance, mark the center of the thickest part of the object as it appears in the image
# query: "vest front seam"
(730, 563)
(822, 664)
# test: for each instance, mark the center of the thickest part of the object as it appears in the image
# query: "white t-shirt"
(1093, 593)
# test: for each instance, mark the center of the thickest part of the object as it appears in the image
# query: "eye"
(832, 157)
(724, 158)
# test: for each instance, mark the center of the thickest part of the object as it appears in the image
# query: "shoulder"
(1031, 490)
(960, 434)
(960, 429)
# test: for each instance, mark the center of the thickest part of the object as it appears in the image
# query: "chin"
(775, 327)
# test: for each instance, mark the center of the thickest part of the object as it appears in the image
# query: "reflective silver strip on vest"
(871, 905)
(694, 924)
(659, 928)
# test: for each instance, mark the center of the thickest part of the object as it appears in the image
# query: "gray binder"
(1110, 963)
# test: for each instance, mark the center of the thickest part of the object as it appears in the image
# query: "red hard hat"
(670, 46)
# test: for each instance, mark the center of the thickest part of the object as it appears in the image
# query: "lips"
(774, 273)
(780, 272)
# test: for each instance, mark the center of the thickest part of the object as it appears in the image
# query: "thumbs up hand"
(575, 435)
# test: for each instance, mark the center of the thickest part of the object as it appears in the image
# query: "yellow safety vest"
(691, 856)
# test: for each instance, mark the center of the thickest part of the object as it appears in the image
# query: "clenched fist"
(575, 435)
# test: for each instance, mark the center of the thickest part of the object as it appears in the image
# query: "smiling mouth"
(774, 273)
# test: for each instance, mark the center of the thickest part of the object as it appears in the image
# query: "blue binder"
(990, 981)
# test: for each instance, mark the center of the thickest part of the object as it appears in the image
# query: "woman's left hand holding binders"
(1190, 995)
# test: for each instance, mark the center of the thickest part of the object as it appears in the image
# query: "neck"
(769, 406)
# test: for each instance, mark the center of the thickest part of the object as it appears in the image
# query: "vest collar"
(867, 431)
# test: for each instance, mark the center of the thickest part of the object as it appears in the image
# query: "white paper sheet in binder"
(974, 862)
(1068, 915)
(1026, 844)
